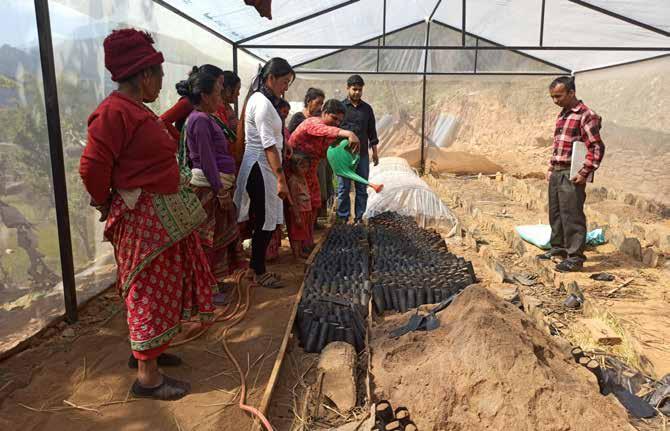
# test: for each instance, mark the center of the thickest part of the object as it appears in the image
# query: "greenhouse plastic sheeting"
(504, 22)
(407, 194)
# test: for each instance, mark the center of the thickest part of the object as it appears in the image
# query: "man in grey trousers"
(575, 122)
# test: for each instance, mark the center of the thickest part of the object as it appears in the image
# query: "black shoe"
(551, 253)
(164, 360)
(570, 265)
(169, 390)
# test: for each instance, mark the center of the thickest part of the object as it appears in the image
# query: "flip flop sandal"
(170, 390)
(402, 416)
(384, 413)
(164, 360)
(269, 281)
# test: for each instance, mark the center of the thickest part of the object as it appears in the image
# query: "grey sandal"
(269, 280)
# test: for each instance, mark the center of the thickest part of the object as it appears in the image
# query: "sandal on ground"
(164, 360)
(169, 390)
(570, 265)
(554, 252)
(269, 280)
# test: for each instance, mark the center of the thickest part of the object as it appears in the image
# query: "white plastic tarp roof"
(505, 22)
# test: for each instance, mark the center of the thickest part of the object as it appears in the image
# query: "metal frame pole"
(360, 43)
(420, 73)
(197, 23)
(466, 48)
(383, 34)
(476, 53)
(57, 159)
(235, 70)
(463, 25)
(542, 24)
(423, 89)
(422, 165)
(297, 21)
(621, 17)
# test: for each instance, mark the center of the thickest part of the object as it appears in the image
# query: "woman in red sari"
(129, 168)
(312, 137)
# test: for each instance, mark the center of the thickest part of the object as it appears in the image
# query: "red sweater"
(313, 137)
(177, 115)
(128, 147)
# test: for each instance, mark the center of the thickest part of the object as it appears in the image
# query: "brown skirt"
(220, 235)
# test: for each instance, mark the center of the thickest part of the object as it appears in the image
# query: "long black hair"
(277, 67)
(202, 80)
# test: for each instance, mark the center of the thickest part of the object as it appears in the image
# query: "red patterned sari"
(163, 273)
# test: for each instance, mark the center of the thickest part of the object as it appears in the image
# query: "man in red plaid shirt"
(576, 122)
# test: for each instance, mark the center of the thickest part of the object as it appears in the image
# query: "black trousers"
(566, 214)
(259, 238)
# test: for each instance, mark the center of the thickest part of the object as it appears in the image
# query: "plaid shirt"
(578, 124)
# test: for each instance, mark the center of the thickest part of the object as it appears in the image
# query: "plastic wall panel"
(83, 82)
(31, 292)
(633, 103)
(237, 21)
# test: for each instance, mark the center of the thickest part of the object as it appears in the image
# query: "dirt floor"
(85, 365)
(25, 311)
(515, 376)
(641, 309)
(494, 368)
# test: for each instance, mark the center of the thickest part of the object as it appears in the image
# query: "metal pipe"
(383, 41)
(365, 41)
(463, 26)
(542, 24)
(195, 22)
(363, 72)
(621, 17)
(235, 70)
(188, 18)
(465, 48)
(483, 39)
(622, 64)
(432, 14)
(422, 166)
(57, 159)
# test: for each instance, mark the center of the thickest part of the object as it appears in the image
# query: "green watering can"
(344, 163)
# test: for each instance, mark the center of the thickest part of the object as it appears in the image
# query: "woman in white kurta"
(261, 184)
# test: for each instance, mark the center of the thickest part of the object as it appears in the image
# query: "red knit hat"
(129, 51)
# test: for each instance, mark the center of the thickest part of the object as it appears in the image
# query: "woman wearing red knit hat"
(129, 168)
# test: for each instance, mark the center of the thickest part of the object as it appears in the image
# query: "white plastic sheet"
(407, 194)
(505, 22)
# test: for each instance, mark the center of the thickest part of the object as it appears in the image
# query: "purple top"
(208, 148)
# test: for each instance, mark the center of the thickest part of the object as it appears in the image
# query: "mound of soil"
(487, 367)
